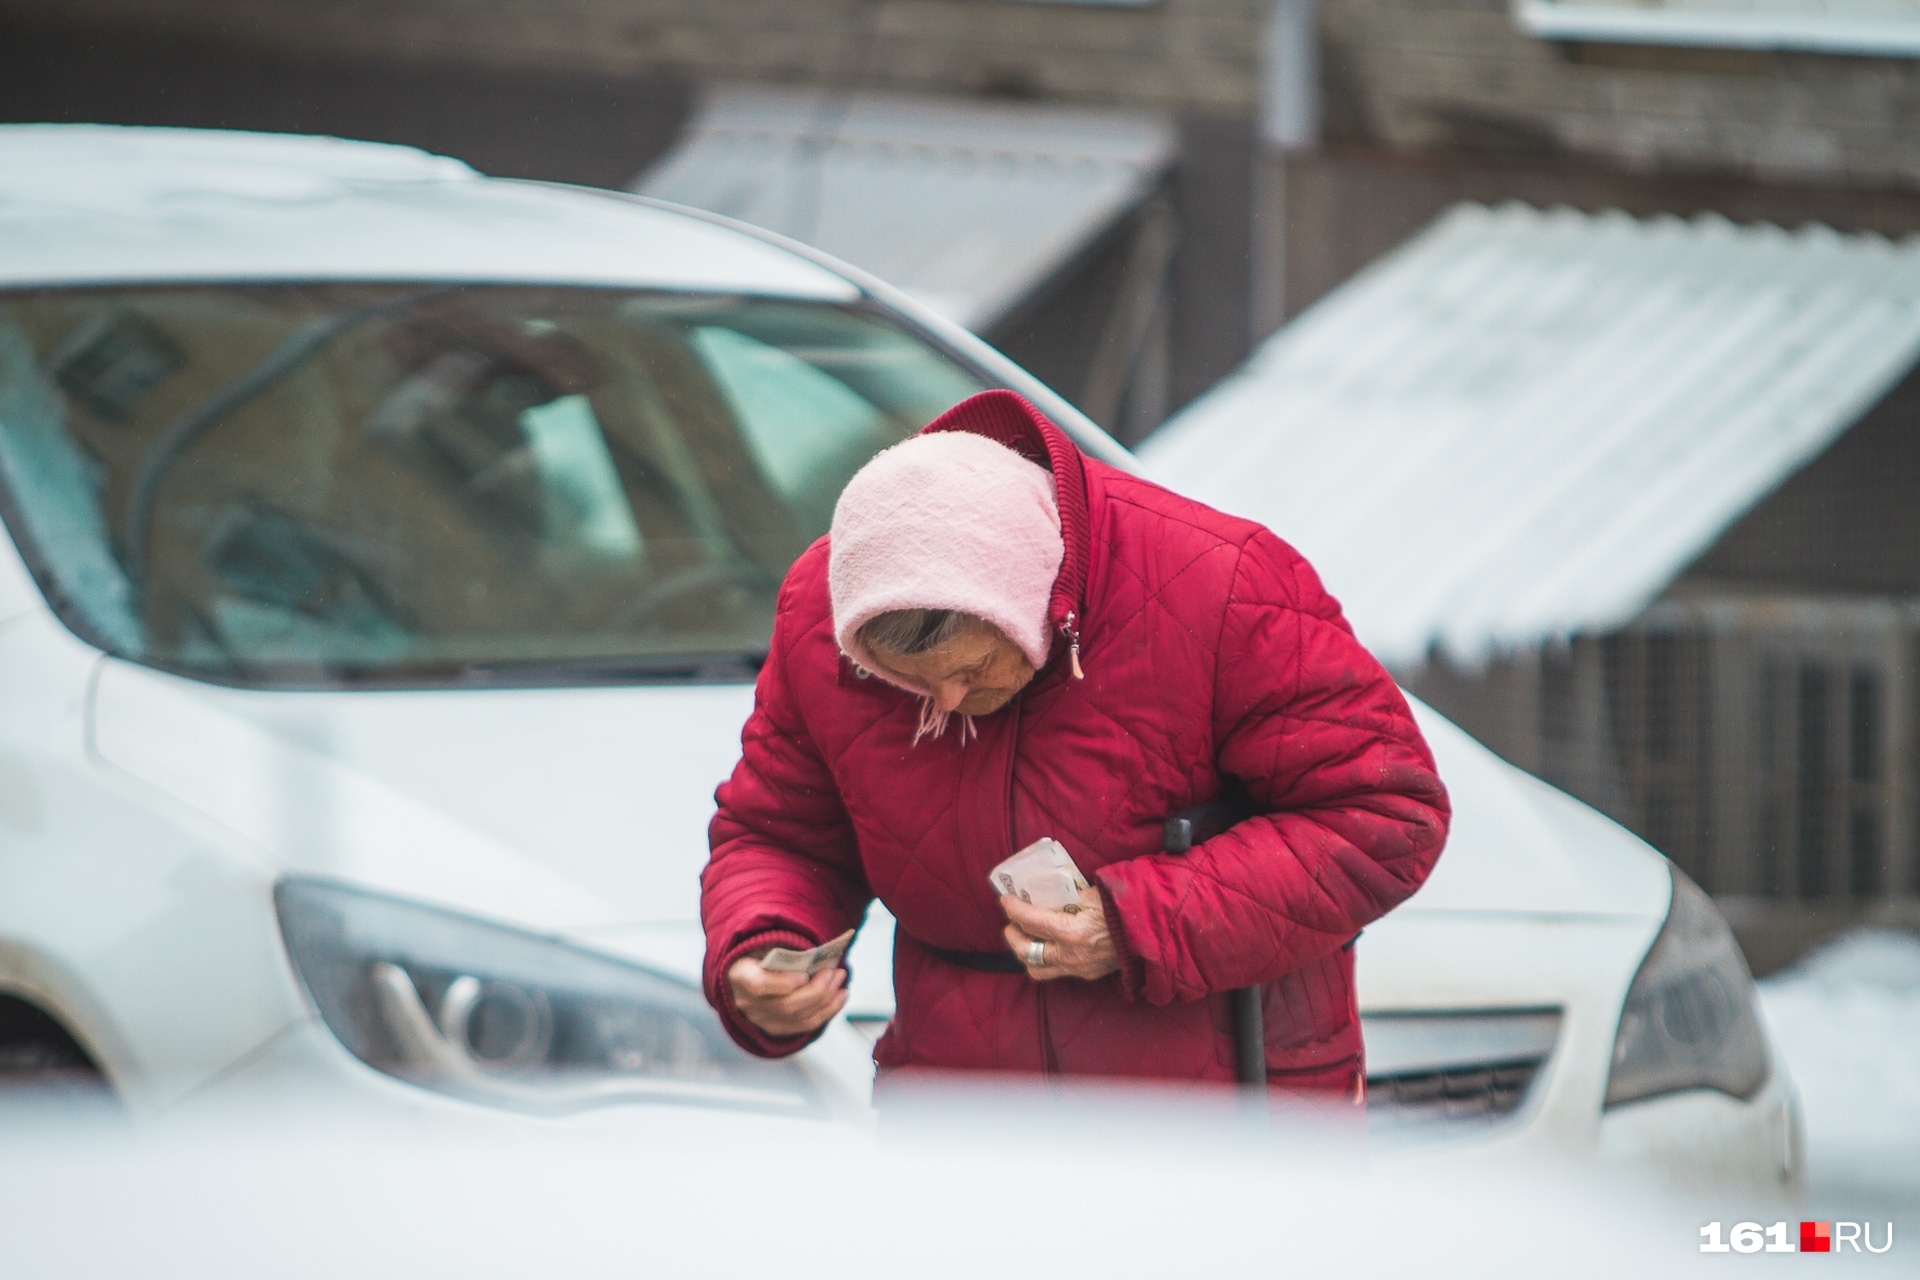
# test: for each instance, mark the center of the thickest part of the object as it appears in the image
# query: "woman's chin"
(985, 704)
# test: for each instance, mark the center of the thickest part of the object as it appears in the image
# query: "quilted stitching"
(1210, 650)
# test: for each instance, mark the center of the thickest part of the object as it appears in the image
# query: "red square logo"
(1816, 1237)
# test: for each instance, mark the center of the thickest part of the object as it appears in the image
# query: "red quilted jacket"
(1210, 652)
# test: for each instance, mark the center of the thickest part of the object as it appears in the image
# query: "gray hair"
(908, 632)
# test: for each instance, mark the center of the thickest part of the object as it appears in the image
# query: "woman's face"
(976, 673)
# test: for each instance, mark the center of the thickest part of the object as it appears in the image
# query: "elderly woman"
(1003, 640)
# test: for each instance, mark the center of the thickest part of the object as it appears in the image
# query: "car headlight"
(498, 1016)
(1689, 1020)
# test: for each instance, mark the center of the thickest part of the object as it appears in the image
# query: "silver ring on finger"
(1036, 954)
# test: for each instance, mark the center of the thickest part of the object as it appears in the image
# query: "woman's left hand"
(1074, 944)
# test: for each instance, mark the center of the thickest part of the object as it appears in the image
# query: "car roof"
(97, 204)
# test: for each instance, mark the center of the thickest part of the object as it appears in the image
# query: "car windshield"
(417, 483)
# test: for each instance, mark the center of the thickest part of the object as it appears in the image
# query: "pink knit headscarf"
(950, 520)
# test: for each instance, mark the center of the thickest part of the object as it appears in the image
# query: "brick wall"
(1190, 55)
(1399, 75)
(1459, 75)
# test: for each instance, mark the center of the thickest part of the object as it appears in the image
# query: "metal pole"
(1289, 124)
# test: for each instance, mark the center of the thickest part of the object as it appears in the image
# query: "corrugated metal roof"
(968, 206)
(1526, 423)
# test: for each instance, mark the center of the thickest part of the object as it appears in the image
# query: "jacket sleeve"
(1353, 812)
(784, 869)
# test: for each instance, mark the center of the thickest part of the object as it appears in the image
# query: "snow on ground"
(1847, 1019)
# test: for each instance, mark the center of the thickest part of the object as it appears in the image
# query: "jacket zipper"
(1069, 627)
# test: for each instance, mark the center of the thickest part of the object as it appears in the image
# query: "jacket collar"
(1009, 419)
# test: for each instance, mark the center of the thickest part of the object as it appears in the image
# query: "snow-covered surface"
(1143, 1184)
(1524, 423)
(965, 205)
(1847, 1019)
(98, 203)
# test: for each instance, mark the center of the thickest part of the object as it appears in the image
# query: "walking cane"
(1184, 830)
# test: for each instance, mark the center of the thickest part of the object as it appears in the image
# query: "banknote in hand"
(1043, 875)
(810, 961)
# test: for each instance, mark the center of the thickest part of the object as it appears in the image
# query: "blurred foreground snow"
(1847, 1019)
(1113, 1184)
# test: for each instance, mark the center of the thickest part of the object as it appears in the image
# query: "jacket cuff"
(720, 996)
(1133, 970)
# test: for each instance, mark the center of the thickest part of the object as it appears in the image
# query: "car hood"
(583, 809)
(562, 808)
(1518, 845)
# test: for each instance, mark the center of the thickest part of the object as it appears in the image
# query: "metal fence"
(1768, 744)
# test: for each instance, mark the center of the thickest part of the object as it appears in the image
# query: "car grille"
(1435, 1072)
(1456, 1095)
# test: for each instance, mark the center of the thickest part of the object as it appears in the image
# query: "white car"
(390, 554)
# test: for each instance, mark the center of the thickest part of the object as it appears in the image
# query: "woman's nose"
(949, 695)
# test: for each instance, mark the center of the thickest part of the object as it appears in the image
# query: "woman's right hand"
(786, 1004)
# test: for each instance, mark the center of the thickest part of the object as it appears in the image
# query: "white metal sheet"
(1525, 423)
(1878, 28)
(966, 205)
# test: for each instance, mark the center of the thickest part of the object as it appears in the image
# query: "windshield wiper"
(677, 668)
